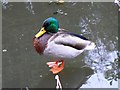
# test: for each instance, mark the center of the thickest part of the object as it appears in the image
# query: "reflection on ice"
(29, 6)
(97, 81)
(100, 58)
(104, 63)
(118, 3)
(5, 4)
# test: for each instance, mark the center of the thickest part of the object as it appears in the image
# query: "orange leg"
(57, 66)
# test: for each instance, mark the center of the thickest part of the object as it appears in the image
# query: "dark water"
(23, 67)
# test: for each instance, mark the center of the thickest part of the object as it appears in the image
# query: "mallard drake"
(59, 44)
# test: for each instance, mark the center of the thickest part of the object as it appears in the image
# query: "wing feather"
(71, 40)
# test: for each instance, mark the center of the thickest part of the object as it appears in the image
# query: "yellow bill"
(40, 33)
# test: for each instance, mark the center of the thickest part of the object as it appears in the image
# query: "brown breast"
(40, 43)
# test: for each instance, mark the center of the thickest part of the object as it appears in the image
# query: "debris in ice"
(65, 14)
(4, 50)
(59, 11)
(22, 35)
(41, 76)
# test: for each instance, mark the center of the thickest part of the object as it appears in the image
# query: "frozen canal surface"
(23, 67)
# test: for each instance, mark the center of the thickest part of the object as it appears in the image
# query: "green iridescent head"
(49, 25)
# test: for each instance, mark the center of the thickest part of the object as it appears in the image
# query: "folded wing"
(73, 40)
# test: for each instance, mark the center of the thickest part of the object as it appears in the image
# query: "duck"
(60, 44)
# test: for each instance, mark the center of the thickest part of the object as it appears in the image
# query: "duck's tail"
(90, 46)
